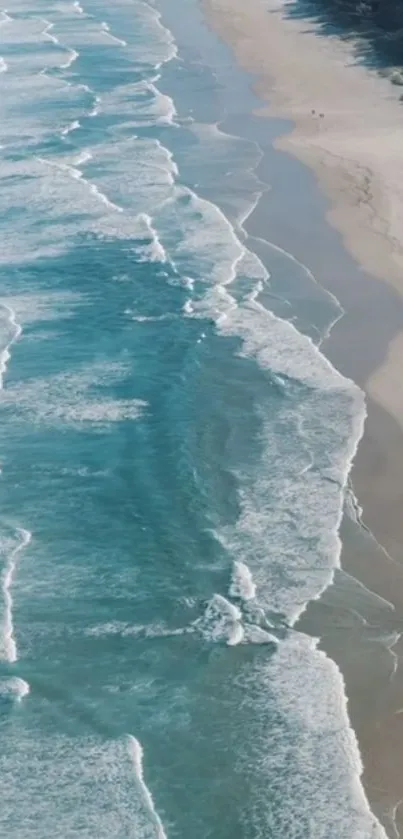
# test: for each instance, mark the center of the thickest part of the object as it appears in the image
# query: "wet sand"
(354, 153)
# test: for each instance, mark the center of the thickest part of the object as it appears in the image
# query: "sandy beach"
(348, 128)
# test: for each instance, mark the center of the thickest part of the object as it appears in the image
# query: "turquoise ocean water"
(174, 449)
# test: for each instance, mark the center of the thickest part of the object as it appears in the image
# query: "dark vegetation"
(378, 25)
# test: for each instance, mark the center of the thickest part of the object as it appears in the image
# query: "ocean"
(174, 451)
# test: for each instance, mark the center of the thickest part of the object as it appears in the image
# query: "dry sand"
(349, 130)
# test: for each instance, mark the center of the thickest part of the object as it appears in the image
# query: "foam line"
(95, 109)
(5, 355)
(393, 815)
(156, 251)
(14, 688)
(77, 175)
(107, 31)
(22, 688)
(9, 644)
(243, 217)
(242, 584)
(71, 127)
(47, 32)
(136, 753)
(102, 197)
(168, 34)
(73, 55)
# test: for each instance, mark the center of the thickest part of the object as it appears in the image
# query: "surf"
(8, 642)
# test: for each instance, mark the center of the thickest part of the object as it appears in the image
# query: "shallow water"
(174, 451)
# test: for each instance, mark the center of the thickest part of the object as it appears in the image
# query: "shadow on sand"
(375, 26)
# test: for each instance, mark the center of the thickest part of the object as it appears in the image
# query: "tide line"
(308, 273)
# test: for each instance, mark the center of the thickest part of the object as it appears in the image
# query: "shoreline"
(360, 179)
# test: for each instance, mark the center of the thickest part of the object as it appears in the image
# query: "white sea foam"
(228, 165)
(21, 688)
(83, 157)
(51, 196)
(3, 65)
(256, 635)
(155, 44)
(287, 534)
(72, 126)
(136, 754)
(153, 250)
(207, 251)
(15, 332)
(282, 510)
(150, 318)
(47, 32)
(224, 622)
(14, 688)
(29, 84)
(77, 174)
(204, 246)
(141, 103)
(242, 585)
(332, 414)
(147, 42)
(73, 55)
(139, 191)
(167, 110)
(120, 41)
(313, 727)
(57, 769)
(74, 203)
(188, 307)
(99, 414)
(46, 306)
(153, 630)
(94, 111)
(75, 398)
(8, 649)
(221, 622)
(307, 493)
